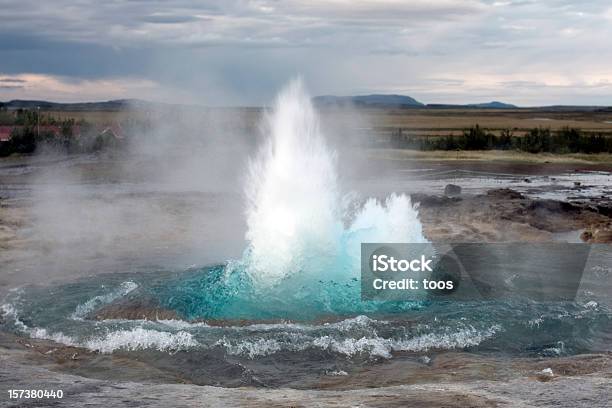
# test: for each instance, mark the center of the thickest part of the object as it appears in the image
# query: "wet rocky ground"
(504, 215)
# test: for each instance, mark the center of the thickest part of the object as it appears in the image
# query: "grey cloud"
(372, 10)
(264, 21)
(169, 19)
(446, 81)
(542, 85)
(522, 84)
(239, 51)
(12, 81)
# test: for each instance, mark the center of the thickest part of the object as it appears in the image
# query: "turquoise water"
(224, 333)
(222, 292)
(200, 300)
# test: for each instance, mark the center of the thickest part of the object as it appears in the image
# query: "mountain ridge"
(372, 100)
(113, 104)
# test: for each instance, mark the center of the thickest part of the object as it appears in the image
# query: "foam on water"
(360, 335)
(84, 309)
(251, 348)
(9, 311)
(139, 338)
(372, 346)
(558, 330)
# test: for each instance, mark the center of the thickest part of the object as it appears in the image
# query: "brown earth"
(504, 215)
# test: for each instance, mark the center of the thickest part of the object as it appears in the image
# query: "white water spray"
(294, 212)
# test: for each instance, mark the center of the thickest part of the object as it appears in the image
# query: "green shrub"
(536, 140)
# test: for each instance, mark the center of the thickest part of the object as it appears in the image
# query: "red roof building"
(5, 133)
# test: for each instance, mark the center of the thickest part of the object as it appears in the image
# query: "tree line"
(536, 140)
(33, 132)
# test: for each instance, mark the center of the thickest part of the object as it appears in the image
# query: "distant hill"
(368, 100)
(485, 105)
(378, 100)
(113, 105)
(492, 105)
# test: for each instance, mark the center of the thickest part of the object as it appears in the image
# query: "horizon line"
(415, 106)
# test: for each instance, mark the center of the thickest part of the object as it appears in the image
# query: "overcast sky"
(240, 52)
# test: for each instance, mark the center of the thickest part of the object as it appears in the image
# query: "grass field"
(98, 117)
(364, 124)
(422, 120)
(491, 155)
(443, 122)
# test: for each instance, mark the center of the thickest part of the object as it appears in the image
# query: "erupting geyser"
(302, 259)
(293, 201)
(294, 214)
(302, 263)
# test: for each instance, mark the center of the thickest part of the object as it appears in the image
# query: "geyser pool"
(272, 352)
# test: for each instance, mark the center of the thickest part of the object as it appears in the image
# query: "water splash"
(295, 211)
(84, 309)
